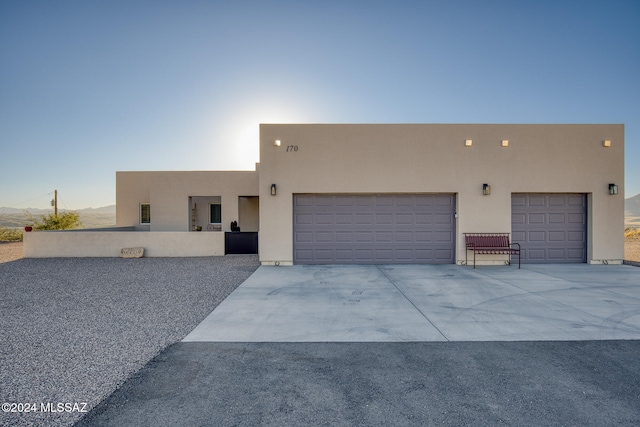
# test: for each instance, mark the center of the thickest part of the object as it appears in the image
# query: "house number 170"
(292, 148)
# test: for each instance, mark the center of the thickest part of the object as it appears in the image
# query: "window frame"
(211, 205)
(141, 213)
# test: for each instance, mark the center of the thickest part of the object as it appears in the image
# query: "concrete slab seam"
(412, 303)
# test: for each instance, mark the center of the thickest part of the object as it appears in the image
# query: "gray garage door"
(551, 228)
(373, 229)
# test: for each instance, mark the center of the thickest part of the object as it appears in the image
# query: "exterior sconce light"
(505, 142)
(273, 189)
(613, 189)
(468, 143)
(277, 143)
(606, 143)
(486, 189)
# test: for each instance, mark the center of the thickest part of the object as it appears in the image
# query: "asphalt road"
(577, 383)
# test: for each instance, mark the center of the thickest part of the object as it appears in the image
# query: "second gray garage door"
(551, 228)
(373, 229)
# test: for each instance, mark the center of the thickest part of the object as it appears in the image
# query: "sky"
(88, 88)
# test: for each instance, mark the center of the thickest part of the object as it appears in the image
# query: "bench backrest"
(487, 240)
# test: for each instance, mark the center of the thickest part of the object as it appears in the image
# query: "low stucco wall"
(60, 244)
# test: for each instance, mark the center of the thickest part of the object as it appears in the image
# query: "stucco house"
(383, 193)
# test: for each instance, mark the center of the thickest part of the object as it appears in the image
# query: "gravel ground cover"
(72, 330)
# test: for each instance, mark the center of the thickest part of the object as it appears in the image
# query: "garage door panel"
(535, 200)
(430, 201)
(384, 236)
(518, 218)
(402, 255)
(304, 219)
(364, 254)
(374, 229)
(364, 236)
(404, 237)
(305, 201)
(576, 236)
(423, 255)
(556, 254)
(364, 201)
(423, 236)
(343, 254)
(424, 218)
(344, 236)
(366, 219)
(442, 236)
(443, 254)
(577, 254)
(324, 237)
(324, 219)
(576, 200)
(576, 218)
(404, 200)
(550, 227)
(536, 236)
(384, 201)
(557, 200)
(442, 200)
(536, 254)
(385, 218)
(443, 219)
(324, 254)
(304, 253)
(518, 200)
(343, 201)
(404, 219)
(537, 218)
(518, 236)
(556, 236)
(556, 218)
(303, 236)
(344, 219)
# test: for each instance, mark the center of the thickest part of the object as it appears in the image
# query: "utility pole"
(54, 202)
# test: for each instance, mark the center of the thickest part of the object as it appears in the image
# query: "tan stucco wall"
(249, 210)
(53, 244)
(168, 193)
(433, 158)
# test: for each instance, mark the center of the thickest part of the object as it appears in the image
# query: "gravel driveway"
(72, 330)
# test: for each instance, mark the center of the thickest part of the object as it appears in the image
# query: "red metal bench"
(490, 243)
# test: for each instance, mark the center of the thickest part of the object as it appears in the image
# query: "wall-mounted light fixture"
(277, 143)
(486, 189)
(273, 189)
(613, 189)
(505, 142)
(606, 143)
(468, 143)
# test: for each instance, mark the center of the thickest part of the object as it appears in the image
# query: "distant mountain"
(35, 211)
(111, 209)
(90, 217)
(632, 206)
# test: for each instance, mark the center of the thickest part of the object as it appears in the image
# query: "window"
(145, 213)
(215, 216)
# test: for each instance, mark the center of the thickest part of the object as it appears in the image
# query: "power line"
(30, 200)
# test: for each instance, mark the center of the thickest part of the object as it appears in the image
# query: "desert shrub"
(10, 234)
(62, 221)
(632, 232)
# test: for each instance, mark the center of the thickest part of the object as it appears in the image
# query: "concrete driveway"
(393, 303)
